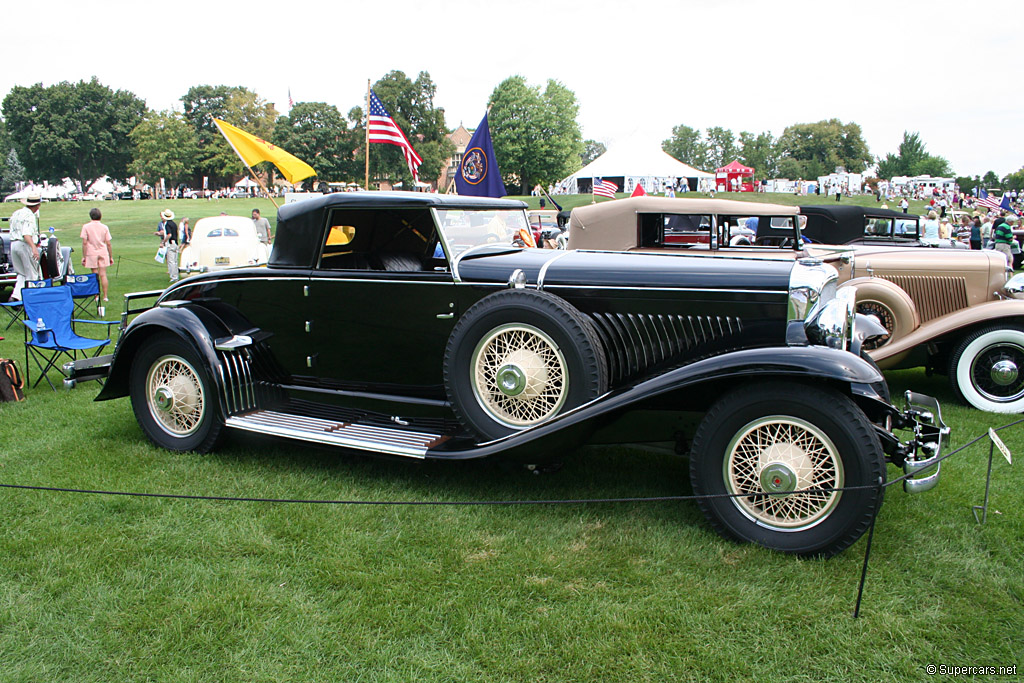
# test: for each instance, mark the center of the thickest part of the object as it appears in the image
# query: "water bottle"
(39, 325)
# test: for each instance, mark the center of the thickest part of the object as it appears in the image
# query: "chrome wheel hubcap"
(1004, 373)
(163, 398)
(511, 380)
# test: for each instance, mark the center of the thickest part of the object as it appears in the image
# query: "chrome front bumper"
(924, 417)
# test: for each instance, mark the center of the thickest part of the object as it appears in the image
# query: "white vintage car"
(220, 242)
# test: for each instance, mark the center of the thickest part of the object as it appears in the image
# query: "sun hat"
(167, 215)
(32, 199)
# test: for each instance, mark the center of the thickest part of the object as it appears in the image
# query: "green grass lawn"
(104, 588)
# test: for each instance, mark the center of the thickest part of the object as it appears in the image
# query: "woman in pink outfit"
(96, 250)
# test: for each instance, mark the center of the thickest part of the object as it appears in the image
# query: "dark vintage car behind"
(869, 226)
(408, 324)
(55, 260)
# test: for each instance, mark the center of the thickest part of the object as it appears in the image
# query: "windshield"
(467, 228)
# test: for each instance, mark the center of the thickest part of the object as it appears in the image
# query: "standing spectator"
(930, 228)
(904, 204)
(184, 231)
(976, 233)
(942, 206)
(169, 239)
(97, 254)
(986, 232)
(963, 231)
(1002, 235)
(24, 236)
(263, 225)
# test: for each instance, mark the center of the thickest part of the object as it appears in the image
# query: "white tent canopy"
(246, 183)
(634, 164)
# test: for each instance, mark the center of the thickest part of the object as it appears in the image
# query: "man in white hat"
(24, 236)
(169, 239)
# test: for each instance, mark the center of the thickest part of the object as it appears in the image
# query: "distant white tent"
(630, 164)
(246, 183)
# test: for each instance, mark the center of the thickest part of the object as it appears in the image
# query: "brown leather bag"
(12, 383)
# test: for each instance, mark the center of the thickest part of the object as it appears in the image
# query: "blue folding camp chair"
(56, 337)
(85, 289)
(14, 309)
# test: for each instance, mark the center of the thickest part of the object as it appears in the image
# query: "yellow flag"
(253, 150)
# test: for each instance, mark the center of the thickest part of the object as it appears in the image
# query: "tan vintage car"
(954, 312)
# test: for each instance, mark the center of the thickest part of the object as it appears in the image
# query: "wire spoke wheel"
(774, 455)
(175, 396)
(519, 375)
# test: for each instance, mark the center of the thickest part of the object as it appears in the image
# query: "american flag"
(604, 188)
(986, 201)
(382, 128)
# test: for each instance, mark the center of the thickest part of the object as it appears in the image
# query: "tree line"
(86, 130)
(811, 150)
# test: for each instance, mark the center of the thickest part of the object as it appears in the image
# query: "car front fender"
(955, 324)
(194, 325)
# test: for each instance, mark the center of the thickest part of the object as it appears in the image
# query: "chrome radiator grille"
(635, 342)
(933, 296)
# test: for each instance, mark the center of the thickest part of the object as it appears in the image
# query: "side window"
(399, 240)
(686, 230)
(877, 227)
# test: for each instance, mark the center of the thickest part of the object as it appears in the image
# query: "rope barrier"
(449, 503)
(570, 501)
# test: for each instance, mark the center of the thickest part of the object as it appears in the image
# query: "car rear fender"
(952, 326)
(194, 325)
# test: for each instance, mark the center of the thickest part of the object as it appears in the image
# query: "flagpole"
(366, 183)
(252, 172)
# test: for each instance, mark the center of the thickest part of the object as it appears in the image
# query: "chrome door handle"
(445, 316)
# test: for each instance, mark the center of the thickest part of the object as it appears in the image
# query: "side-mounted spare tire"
(518, 358)
(52, 260)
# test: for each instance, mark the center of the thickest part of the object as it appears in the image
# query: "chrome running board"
(334, 433)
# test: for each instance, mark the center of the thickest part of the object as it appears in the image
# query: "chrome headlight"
(832, 324)
(811, 285)
(1014, 287)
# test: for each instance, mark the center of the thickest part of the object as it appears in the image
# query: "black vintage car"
(408, 324)
(866, 225)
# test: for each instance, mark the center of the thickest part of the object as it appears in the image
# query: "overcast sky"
(952, 71)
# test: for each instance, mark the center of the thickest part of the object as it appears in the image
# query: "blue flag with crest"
(478, 174)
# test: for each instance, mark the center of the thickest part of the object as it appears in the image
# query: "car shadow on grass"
(591, 472)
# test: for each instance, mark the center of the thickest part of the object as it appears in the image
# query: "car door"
(381, 332)
(379, 313)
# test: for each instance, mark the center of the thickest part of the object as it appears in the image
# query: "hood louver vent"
(636, 343)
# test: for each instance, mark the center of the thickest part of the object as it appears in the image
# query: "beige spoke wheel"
(174, 394)
(519, 375)
(777, 454)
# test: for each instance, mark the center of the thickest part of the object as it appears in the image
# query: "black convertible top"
(846, 224)
(393, 200)
(300, 225)
(848, 213)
